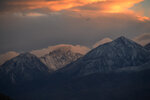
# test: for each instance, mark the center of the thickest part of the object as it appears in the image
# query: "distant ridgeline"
(118, 70)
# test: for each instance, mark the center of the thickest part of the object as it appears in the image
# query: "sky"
(26, 25)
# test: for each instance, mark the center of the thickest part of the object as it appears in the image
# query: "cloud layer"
(143, 39)
(33, 24)
(75, 48)
(7, 56)
(109, 6)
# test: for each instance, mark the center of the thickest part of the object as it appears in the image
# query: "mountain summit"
(119, 53)
(60, 57)
(25, 67)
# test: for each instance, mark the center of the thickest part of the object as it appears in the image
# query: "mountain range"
(117, 70)
(120, 53)
(54, 57)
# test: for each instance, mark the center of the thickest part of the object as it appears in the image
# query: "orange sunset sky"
(98, 6)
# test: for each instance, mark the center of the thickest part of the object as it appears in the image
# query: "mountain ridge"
(119, 53)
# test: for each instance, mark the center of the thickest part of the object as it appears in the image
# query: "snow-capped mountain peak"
(119, 53)
(24, 67)
(60, 57)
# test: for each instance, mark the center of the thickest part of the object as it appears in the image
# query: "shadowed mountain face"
(25, 67)
(118, 70)
(60, 57)
(147, 46)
